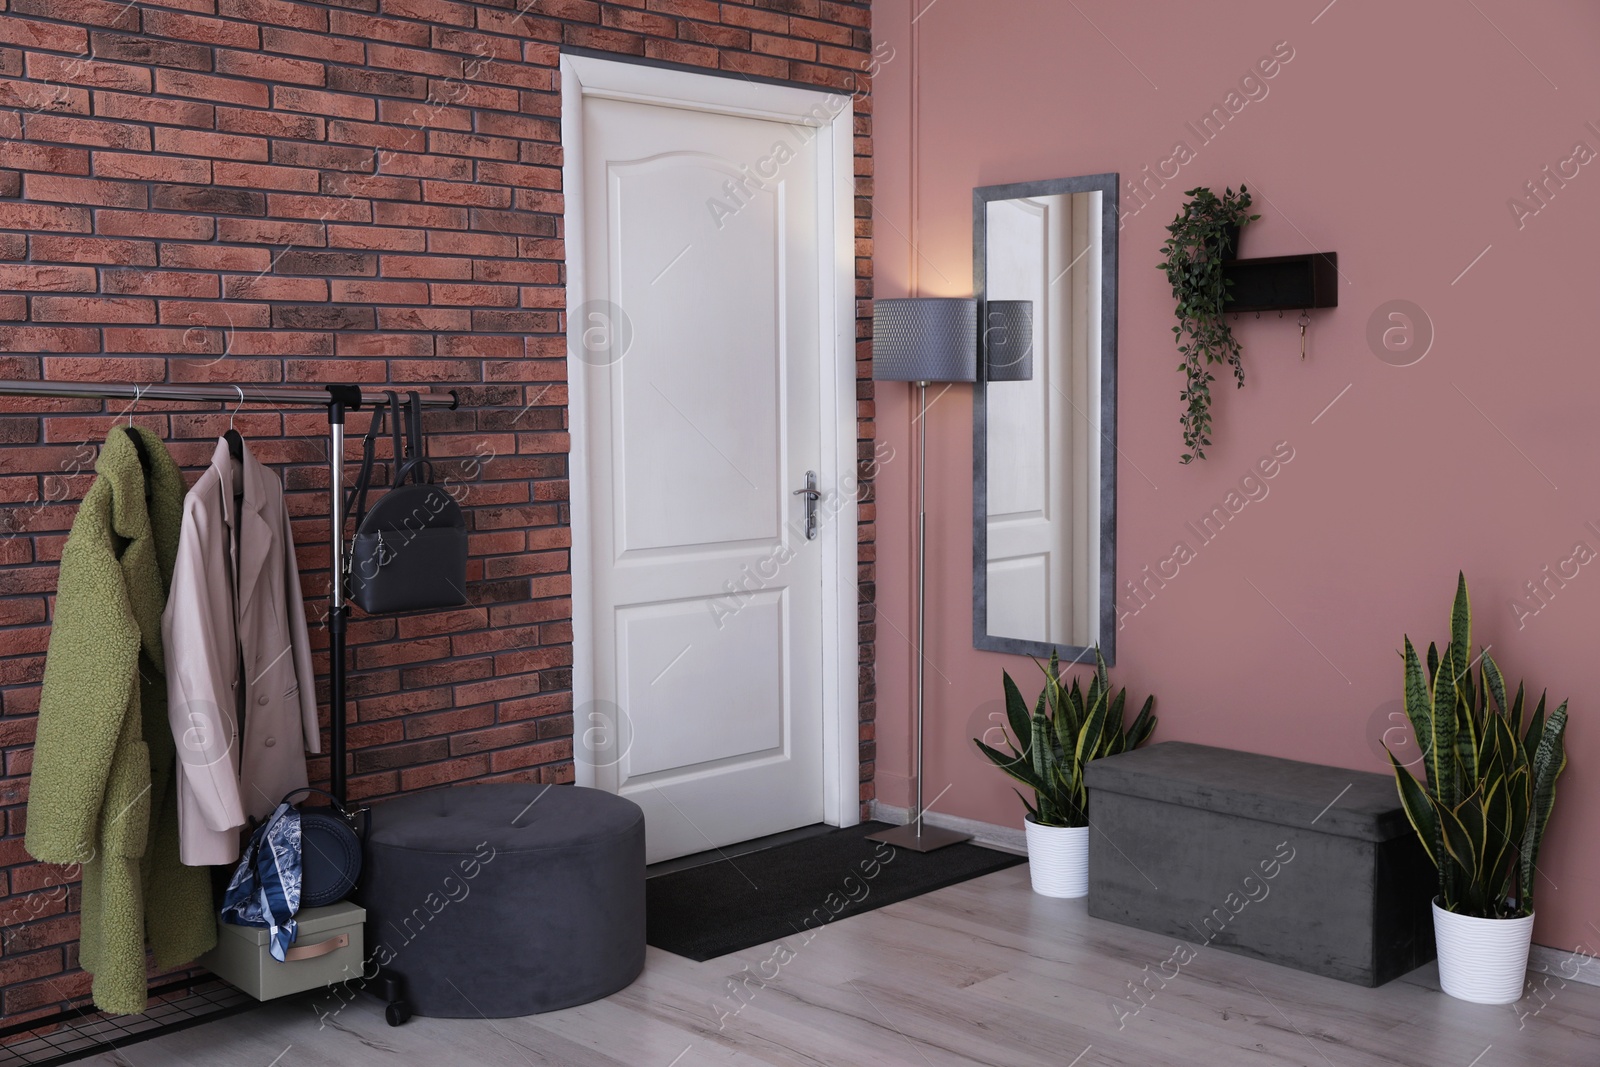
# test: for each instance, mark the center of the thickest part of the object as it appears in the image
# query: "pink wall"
(1395, 136)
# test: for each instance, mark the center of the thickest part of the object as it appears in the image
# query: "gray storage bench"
(1308, 866)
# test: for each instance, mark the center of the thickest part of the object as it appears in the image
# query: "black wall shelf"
(1283, 283)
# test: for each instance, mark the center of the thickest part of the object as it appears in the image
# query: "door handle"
(812, 496)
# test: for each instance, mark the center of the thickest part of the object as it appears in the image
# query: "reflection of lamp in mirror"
(922, 340)
(1008, 341)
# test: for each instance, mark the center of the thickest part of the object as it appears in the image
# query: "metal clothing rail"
(338, 399)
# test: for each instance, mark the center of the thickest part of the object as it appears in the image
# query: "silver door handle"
(812, 495)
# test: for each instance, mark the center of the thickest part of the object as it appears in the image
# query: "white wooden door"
(1042, 572)
(1029, 579)
(700, 418)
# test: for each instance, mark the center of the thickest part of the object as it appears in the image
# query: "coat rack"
(338, 399)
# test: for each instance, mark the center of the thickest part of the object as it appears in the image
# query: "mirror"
(1044, 446)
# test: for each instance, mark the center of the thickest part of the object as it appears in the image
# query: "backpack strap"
(418, 467)
(356, 498)
(401, 458)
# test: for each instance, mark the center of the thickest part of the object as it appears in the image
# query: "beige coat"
(218, 611)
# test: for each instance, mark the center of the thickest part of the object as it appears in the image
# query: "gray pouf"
(499, 900)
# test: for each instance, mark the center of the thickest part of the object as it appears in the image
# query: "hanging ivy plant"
(1203, 235)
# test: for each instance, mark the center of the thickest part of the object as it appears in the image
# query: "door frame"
(585, 76)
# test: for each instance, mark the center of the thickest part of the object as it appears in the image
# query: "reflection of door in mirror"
(1044, 480)
(1043, 521)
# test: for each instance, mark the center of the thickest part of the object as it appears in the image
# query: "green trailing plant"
(1489, 785)
(1201, 238)
(1067, 728)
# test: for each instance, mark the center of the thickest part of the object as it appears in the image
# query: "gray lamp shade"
(1008, 341)
(925, 339)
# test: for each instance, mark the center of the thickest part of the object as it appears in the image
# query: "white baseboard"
(1004, 838)
(1568, 965)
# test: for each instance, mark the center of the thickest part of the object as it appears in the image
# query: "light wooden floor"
(981, 973)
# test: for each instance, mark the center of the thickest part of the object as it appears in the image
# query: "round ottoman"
(498, 900)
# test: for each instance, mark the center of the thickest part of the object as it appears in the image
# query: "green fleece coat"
(103, 792)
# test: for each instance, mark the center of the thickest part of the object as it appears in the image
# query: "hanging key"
(1305, 320)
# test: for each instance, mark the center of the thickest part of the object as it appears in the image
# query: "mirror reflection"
(1043, 491)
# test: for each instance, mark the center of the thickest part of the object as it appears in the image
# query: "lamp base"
(931, 837)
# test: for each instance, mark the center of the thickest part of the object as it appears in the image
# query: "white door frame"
(832, 116)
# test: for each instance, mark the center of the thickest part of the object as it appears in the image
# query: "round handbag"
(330, 852)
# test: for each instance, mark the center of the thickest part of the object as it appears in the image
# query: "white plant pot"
(1484, 961)
(1058, 859)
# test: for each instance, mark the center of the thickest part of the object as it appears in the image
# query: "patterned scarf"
(265, 890)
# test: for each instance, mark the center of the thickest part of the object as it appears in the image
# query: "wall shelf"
(1283, 283)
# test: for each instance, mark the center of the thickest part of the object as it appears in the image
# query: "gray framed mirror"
(1044, 539)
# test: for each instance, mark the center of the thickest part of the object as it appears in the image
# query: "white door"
(1042, 572)
(700, 356)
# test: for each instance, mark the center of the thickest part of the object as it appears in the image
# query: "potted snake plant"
(1050, 747)
(1480, 809)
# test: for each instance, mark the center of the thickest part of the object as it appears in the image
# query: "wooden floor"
(981, 973)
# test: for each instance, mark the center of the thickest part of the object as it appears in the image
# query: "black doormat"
(722, 907)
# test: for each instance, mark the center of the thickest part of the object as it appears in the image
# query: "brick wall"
(362, 191)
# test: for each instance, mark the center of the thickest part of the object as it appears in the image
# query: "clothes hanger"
(138, 442)
(235, 442)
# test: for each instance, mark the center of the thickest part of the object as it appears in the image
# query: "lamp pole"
(915, 834)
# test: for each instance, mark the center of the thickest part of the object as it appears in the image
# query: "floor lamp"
(922, 340)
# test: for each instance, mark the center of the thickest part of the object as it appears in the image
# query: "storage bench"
(1299, 864)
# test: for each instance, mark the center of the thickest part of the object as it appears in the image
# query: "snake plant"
(1489, 786)
(1067, 728)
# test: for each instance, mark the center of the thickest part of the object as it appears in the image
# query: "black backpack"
(410, 550)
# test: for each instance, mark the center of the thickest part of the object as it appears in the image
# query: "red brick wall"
(361, 191)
